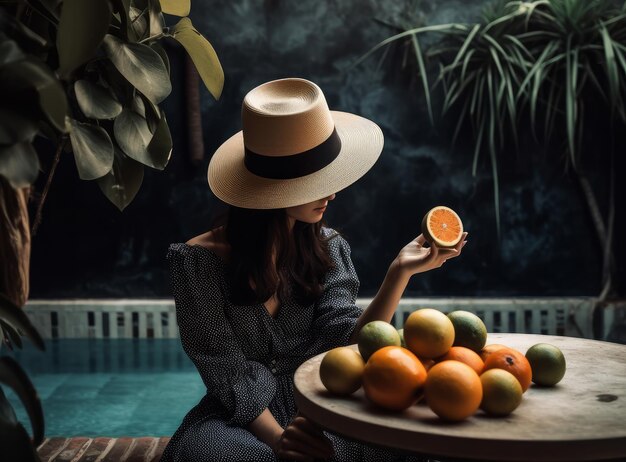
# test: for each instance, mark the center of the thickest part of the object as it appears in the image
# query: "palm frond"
(571, 101)
(424, 76)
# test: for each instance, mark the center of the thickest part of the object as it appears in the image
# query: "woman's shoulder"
(212, 243)
(329, 233)
(337, 244)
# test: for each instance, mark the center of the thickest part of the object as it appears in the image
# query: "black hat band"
(296, 165)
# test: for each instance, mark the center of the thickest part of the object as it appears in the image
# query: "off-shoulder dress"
(247, 358)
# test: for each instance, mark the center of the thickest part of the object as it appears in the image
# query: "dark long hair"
(302, 256)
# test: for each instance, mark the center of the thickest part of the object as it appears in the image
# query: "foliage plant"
(530, 67)
(89, 76)
(15, 442)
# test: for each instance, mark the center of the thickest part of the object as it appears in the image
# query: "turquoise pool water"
(109, 387)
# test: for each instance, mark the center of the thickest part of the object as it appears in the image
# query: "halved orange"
(442, 226)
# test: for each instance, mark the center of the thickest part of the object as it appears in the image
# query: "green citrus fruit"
(341, 370)
(469, 330)
(375, 335)
(502, 392)
(428, 333)
(402, 342)
(547, 363)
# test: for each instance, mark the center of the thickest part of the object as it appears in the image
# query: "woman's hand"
(416, 258)
(302, 440)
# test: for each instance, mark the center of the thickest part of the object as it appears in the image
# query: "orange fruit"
(341, 370)
(466, 356)
(469, 330)
(442, 226)
(453, 390)
(375, 335)
(488, 349)
(547, 363)
(428, 333)
(502, 392)
(512, 361)
(393, 378)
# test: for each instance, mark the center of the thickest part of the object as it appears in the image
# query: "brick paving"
(102, 449)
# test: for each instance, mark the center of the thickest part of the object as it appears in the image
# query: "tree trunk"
(14, 242)
(194, 113)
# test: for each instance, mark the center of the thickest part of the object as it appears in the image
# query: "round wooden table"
(581, 418)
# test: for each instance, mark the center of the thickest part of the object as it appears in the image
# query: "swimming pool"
(109, 387)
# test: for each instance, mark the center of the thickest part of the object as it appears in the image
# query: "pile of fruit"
(442, 360)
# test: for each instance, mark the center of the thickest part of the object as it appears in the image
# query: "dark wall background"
(85, 247)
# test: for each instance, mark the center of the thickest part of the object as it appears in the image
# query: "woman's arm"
(301, 440)
(413, 258)
(266, 429)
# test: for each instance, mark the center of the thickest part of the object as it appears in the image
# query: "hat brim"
(361, 144)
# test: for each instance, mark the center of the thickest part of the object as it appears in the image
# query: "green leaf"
(152, 114)
(147, 110)
(446, 28)
(520, 46)
(12, 333)
(122, 7)
(466, 61)
(455, 92)
(30, 78)
(93, 150)
(477, 95)
(19, 164)
(133, 135)
(571, 98)
(15, 316)
(123, 182)
(82, 27)
(202, 54)
(95, 101)
(138, 23)
(160, 146)
(17, 124)
(14, 376)
(162, 53)
(493, 117)
(554, 96)
(9, 52)
(111, 78)
(7, 414)
(141, 66)
(589, 72)
(49, 9)
(466, 44)
(176, 7)
(611, 65)
(424, 76)
(139, 106)
(155, 18)
(16, 444)
(477, 146)
(496, 191)
(460, 121)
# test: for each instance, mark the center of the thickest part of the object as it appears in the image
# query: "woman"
(273, 287)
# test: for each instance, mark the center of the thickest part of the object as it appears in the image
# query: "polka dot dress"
(247, 358)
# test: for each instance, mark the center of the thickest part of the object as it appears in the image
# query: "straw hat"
(292, 150)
